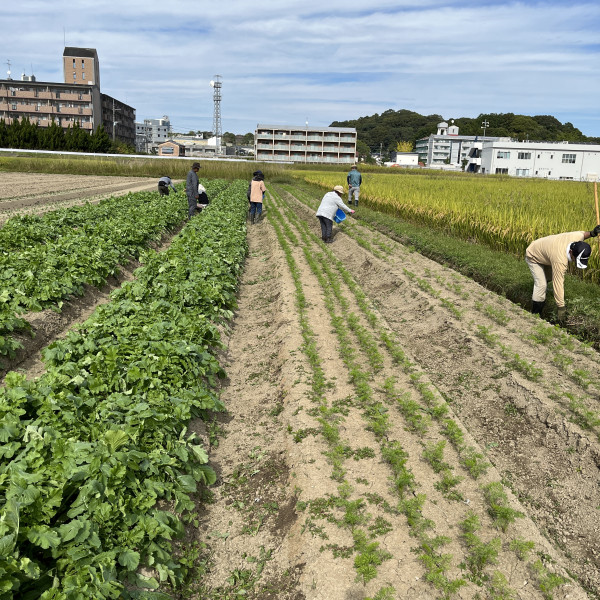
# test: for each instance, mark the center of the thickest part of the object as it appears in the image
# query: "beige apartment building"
(77, 99)
(305, 144)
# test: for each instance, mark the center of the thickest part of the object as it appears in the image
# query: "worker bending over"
(549, 258)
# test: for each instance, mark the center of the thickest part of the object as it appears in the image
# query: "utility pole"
(485, 124)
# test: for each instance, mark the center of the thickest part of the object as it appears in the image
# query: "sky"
(285, 62)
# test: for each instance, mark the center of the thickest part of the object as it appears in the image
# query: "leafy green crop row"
(44, 259)
(96, 463)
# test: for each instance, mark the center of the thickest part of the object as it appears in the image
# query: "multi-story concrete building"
(77, 99)
(549, 160)
(305, 144)
(151, 133)
(447, 148)
(42, 102)
(81, 66)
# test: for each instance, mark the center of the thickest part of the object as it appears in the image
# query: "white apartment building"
(152, 132)
(305, 144)
(549, 160)
(447, 149)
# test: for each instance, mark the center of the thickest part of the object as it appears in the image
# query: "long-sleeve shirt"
(354, 178)
(329, 205)
(553, 251)
(257, 189)
(191, 184)
(166, 181)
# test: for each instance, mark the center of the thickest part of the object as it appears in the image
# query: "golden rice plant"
(502, 212)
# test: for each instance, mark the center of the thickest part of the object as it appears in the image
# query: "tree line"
(384, 131)
(25, 134)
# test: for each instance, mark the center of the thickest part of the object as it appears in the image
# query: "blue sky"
(286, 62)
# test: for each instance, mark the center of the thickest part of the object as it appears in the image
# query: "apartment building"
(42, 102)
(548, 160)
(78, 98)
(151, 133)
(305, 144)
(447, 148)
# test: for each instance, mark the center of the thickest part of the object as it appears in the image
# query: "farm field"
(391, 430)
(31, 193)
(375, 410)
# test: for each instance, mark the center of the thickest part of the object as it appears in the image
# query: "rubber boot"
(537, 307)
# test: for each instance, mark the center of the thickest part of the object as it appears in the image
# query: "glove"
(562, 314)
(352, 212)
(595, 231)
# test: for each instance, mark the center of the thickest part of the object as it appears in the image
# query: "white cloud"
(284, 62)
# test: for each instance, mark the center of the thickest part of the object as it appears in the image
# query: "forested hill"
(385, 130)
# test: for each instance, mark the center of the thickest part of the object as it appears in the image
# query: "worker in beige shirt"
(549, 258)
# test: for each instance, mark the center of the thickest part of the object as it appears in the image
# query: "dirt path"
(394, 431)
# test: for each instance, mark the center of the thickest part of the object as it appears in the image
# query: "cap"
(582, 252)
(339, 189)
(196, 165)
(353, 167)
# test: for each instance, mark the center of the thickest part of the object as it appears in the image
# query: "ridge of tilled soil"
(271, 450)
(50, 192)
(550, 462)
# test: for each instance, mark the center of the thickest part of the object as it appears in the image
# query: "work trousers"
(326, 227)
(541, 275)
(353, 191)
(192, 201)
(255, 207)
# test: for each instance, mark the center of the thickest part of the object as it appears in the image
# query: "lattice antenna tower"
(217, 130)
(8, 72)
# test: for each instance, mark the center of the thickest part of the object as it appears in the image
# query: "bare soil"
(32, 193)
(278, 524)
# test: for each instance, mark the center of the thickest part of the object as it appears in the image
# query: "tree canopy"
(391, 127)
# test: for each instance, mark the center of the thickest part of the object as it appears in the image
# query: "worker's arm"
(593, 233)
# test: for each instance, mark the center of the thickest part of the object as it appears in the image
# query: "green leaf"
(129, 559)
(43, 536)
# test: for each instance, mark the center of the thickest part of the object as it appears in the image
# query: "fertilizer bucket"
(340, 215)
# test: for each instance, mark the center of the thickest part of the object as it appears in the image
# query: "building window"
(83, 75)
(74, 76)
(82, 63)
(524, 155)
(74, 63)
(565, 178)
(569, 158)
(13, 106)
(13, 92)
(522, 173)
(501, 171)
(58, 108)
(58, 94)
(503, 154)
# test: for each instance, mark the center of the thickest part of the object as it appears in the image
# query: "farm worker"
(163, 186)
(549, 257)
(354, 180)
(256, 194)
(202, 197)
(329, 204)
(191, 189)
